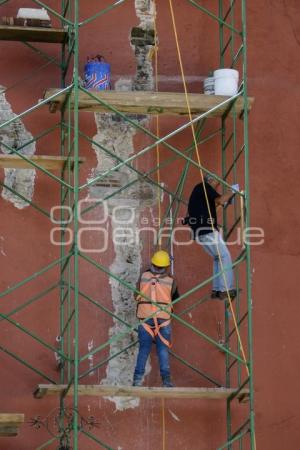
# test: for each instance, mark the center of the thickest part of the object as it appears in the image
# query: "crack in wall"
(115, 134)
(15, 135)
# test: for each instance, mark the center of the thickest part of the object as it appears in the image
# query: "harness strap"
(154, 330)
(145, 302)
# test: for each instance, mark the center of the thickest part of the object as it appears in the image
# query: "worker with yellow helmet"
(154, 305)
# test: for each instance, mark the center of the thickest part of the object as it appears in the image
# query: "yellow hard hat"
(161, 259)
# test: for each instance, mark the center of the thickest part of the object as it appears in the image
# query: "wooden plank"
(8, 431)
(10, 423)
(146, 102)
(21, 22)
(33, 34)
(146, 392)
(11, 419)
(47, 162)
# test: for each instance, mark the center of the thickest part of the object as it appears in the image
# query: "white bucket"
(226, 82)
(33, 13)
(209, 86)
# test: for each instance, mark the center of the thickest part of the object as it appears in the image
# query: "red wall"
(273, 73)
(273, 43)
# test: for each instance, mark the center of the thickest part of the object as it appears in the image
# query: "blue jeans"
(211, 242)
(145, 342)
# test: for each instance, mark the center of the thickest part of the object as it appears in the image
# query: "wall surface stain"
(15, 135)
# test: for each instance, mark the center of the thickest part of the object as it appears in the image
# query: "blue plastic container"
(97, 75)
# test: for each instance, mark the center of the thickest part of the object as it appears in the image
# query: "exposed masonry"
(116, 135)
(145, 10)
(16, 135)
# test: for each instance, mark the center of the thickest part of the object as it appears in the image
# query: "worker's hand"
(235, 188)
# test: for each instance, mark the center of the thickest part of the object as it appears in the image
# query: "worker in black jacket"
(203, 222)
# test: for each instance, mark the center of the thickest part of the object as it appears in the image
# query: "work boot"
(137, 381)
(166, 382)
(232, 293)
(214, 294)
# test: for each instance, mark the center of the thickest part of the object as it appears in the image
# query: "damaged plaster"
(116, 135)
(145, 11)
(15, 135)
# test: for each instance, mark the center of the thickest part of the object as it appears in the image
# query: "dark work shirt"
(199, 219)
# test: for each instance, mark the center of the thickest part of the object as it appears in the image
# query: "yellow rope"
(202, 178)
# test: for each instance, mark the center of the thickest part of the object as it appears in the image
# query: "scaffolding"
(71, 99)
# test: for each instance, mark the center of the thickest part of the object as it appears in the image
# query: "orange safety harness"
(154, 331)
(156, 287)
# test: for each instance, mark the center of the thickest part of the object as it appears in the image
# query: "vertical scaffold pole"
(76, 225)
(247, 225)
(64, 194)
(222, 52)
